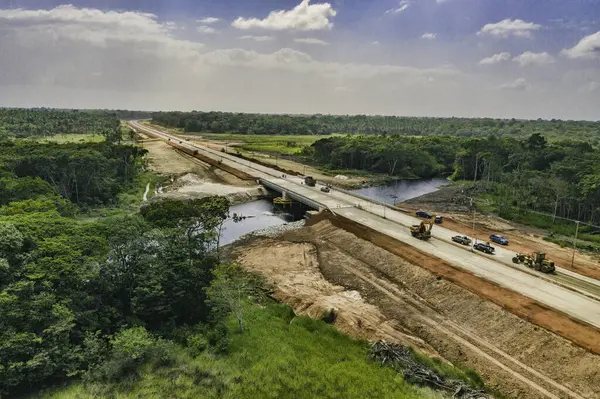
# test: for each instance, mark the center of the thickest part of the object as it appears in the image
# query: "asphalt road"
(497, 268)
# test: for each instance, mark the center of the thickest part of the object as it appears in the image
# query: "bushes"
(130, 349)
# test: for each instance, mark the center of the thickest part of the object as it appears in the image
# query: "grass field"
(277, 356)
(71, 138)
(279, 144)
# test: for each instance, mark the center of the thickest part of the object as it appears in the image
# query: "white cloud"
(95, 28)
(296, 61)
(495, 59)
(508, 27)
(72, 57)
(310, 40)
(303, 17)
(587, 48)
(429, 36)
(517, 85)
(529, 58)
(257, 38)
(375, 43)
(206, 29)
(208, 20)
(402, 6)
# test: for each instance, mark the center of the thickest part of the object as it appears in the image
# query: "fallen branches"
(402, 358)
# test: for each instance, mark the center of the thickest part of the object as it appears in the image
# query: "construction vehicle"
(536, 261)
(310, 181)
(422, 231)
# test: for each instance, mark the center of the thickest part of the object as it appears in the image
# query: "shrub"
(131, 348)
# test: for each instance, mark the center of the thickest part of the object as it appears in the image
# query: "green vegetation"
(278, 356)
(70, 138)
(87, 174)
(279, 144)
(22, 123)
(225, 122)
(513, 175)
(135, 302)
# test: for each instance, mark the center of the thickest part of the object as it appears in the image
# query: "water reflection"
(259, 215)
(402, 190)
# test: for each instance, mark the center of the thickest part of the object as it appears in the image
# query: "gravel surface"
(274, 231)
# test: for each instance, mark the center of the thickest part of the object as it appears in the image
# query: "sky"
(464, 58)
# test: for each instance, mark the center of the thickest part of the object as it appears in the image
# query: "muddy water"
(402, 190)
(259, 215)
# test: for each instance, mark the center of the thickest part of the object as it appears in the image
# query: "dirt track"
(514, 356)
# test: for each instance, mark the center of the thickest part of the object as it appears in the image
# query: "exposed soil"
(190, 186)
(306, 170)
(166, 160)
(453, 203)
(269, 160)
(513, 355)
(299, 283)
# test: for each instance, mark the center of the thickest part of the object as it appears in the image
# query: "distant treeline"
(225, 122)
(22, 123)
(532, 173)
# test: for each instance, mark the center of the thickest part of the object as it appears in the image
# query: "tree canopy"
(240, 123)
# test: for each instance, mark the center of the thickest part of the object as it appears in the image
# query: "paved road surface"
(493, 268)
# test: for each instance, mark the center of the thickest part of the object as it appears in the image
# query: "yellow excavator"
(422, 231)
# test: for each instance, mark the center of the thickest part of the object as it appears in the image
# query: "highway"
(498, 268)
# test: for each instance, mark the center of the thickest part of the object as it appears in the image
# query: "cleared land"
(378, 294)
(277, 144)
(71, 138)
(264, 149)
(452, 202)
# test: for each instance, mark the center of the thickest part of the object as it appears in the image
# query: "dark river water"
(402, 190)
(261, 214)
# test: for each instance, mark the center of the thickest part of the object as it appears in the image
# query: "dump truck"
(310, 181)
(422, 231)
(536, 261)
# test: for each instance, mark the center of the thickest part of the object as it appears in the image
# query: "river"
(261, 214)
(402, 190)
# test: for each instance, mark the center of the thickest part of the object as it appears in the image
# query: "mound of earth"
(190, 186)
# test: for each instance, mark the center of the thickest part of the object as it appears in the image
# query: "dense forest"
(561, 177)
(238, 123)
(22, 123)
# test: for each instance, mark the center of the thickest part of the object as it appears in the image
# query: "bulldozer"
(422, 231)
(536, 261)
